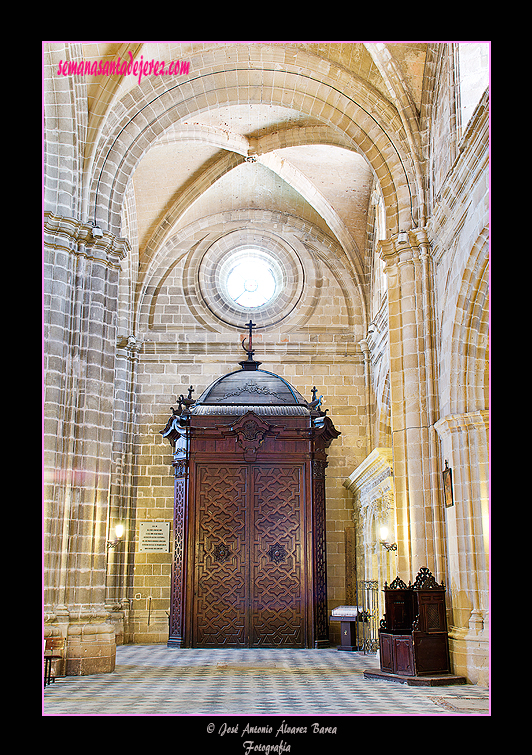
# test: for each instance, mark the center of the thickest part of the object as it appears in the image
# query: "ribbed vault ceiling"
(303, 167)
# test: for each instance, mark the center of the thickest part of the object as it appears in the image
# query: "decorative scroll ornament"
(397, 584)
(175, 427)
(253, 389)
(425, 580)
(277, 554)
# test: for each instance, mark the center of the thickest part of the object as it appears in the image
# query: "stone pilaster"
(122, 494)
(372, 486)
(81, 269)
(420, 535)
(464, 439)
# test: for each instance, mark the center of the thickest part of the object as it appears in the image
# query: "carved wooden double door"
(250, 574)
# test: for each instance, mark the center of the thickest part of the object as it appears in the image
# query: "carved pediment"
(251, 430)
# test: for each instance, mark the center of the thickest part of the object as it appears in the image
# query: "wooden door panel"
(386, 648)
(403, 655)
(249, 582)
(221, 600)
(276, 559)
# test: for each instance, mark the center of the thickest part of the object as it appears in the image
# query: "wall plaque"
(154, 537)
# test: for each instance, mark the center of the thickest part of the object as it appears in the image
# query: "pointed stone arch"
(370, 124)
(194, 239)
(469, 378)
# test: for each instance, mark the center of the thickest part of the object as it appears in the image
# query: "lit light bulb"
(119, 530)
(384, 540)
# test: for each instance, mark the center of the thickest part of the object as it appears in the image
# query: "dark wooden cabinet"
(249, 524)
(413, 635)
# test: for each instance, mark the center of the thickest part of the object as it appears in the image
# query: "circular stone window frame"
(220, 258)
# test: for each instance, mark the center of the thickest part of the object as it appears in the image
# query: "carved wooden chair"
(54, 648)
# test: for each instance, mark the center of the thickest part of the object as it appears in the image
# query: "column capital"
(404, 246)
(84, 239)
(462, 422)
(364, 347)
(129, 346)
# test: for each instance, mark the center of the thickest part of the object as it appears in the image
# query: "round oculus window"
(247, 274)
(251, 282)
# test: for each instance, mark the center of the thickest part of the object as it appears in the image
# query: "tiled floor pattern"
(156, 680)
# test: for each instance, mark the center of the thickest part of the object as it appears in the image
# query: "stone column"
(464, 439)
(81, 269)
(122, 494)
(420, 535)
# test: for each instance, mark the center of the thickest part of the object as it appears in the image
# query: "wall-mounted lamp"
(119, 532)
(384, 540)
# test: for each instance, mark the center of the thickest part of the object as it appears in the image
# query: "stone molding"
(460, 422)
(375, 467)
(404, 246)
(374, 497)
(372, 486)
(77, 238)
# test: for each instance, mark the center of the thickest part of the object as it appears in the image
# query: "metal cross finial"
(250, 363)
(249, 349)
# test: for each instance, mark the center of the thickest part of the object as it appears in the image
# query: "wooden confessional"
(413, 640)
(413, 634)
(249, 564)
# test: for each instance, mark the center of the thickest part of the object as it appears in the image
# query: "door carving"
(277, 553)
(220, 604)
(248, 586)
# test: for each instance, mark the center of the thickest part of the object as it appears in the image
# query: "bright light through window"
(251, 283)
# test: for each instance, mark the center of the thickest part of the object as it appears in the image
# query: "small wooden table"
(348, 629)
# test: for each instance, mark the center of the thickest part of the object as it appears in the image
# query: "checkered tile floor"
(156, 680)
